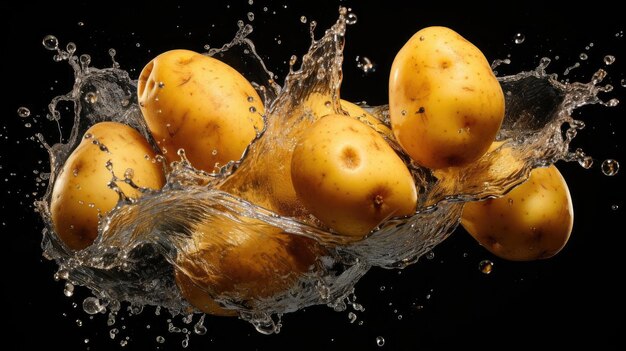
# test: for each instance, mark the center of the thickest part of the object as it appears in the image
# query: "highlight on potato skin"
(81, 193)
(197, 103)
(348, 177)
(445, 103)
(533, 221)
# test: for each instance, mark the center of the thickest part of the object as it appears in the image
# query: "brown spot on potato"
(350, 158)
(445, 64)
(377, 197)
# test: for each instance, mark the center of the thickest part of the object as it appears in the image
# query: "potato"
(244, 262)
(277, 192)
(200, 104)
(349, 177)
(320, 105)
(533, 221)
(81, 193)
(445, 103)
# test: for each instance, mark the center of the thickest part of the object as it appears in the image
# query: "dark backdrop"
(573, 299)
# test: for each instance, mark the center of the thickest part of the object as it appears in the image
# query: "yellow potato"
(349, 177)
(445, 103)
(533, 221)
(244, 262)
(81, 191)
(200, 104)
(320, 105)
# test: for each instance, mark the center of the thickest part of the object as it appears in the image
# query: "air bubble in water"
(610, 167)
(23, 112)
(485, 266)
(609, 59)
(50, 42)
(519, 38)
(380, 341)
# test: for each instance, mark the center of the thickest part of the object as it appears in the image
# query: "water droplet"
(519, 38)
(160, 339)
(80, 24)
(250, 16)
(85, 60)
(86, 341)
(399, 317)
(403, 112)
(583, 56)
(50, 42)
(351, 19)
(612, 103)
(112, 52)
(610, 167)
(199, 327)
(252, 109)
(303, 19)
(609, 59)
(485, 266)
(92, 305)
(23, 112)
(68, 290)
(380, 341)
(430, 255)
(250, 2)
(214, 152)
(352, 317)
(70, 47)
(79, 323)
(91, 97)
(113, 333)
(382, 288)
(364, 64)
(129, 173)
(614, 207)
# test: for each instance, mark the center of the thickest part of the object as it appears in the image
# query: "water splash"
(140, 242)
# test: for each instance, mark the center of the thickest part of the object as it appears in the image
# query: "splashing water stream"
(141, 241)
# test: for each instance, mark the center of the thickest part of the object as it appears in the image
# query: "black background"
(572, 299)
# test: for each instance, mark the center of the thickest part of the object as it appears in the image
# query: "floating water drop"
(380, 341)
(91, 305)
(623, 82)
(519, 38)
(160, 339)
(583, 56)
(430, 255)
(23, 112)
(485, 266)
(250, 16)
(614, 207)
(351, 19)
(50, 42)
(364, 64)
(352, 317)
(80, 24)
(609, 59)
(303, 19)
(610, 167)
(71, 48)
(68, 290)
(79, 323)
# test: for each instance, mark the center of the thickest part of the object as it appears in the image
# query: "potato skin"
(445, 103)
(200, 104)
(533, 221)
(349, 177)
(81, 193)
(245, 262)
